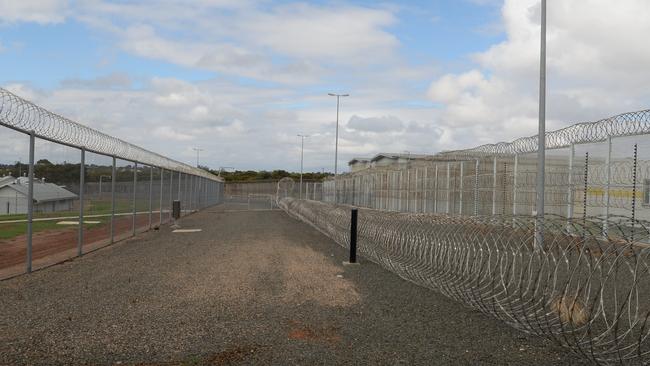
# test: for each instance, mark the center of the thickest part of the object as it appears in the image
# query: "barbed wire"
(587, 292)
(24, 116)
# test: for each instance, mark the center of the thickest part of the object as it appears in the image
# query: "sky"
(240, 79)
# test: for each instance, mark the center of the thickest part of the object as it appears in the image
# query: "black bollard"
(353, 236)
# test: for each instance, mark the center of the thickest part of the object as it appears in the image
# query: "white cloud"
(596, 68)
(38, 11)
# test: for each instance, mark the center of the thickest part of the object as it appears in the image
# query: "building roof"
(400, 156)
(359, 160)
(43, 192)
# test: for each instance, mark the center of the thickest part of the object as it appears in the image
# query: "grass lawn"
(9, 231)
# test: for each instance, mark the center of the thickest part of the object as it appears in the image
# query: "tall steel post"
(460, 192)
(494, 187)
(113, 184)
(448, 187)
(30, 200)
(82, 183)
(150, 196)
(514, 185)
(135, 195)
(160, 213)
(609, 178)
(425, 187)
(570, 190)
(435, 192)
(476, 188)
(541, 135)
(171, 192)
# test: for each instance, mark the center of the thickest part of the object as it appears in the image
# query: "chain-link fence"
(66, 189)
(599, 170)
(263, 195)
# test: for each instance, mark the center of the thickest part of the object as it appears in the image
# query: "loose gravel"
(252, 288)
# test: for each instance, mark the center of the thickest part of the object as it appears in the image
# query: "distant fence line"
(599, 169)
(153, 183)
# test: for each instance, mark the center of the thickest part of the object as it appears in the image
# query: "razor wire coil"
(25, 116)
(586, 291)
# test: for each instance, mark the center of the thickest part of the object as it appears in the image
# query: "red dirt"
(52, 243)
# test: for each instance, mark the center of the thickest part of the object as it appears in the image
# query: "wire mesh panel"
(97, 202)
(56, 203)
(14, 158)
(123, 200)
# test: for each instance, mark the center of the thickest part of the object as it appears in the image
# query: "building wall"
(12, 202)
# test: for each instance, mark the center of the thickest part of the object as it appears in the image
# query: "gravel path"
(253, 288)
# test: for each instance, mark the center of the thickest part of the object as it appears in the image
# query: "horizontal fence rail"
(586, 291)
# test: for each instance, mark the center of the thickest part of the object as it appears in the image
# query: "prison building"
(398, 160)
(48, 197)
(359, 164)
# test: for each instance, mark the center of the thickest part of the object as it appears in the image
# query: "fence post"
(435, 192)
(179, 185)
(448, 187)
(150, 196)
(353, 236)
(609, 175)
(160, 211)
(425, 188)
(171, 193)
(460, 192)
(494, 187)
(135, 194)
(476, 188)
(514, 185)
(408, 190)
(570, 185)
(82, 183)
(30, 200)
(113, 182)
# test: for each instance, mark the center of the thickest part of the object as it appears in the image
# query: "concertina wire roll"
(25, 116)
(586, 292)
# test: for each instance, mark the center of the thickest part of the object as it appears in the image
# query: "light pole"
(336, 147)
(302, 149)
(541, 135)
(197, 155)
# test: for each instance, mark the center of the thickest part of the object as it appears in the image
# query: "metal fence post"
(30, 200)
(570, 185)
(179, 185)
(171, 192)
(82, 183)
(514, 185)
(460, 192)
(448, 186)
(113, 183)
(353, 235)
(609, 177)
(494, 187)
(476, 188)
(135, 195)
(425, 188)
(435, 192)
(150, 196)
(162, 177)
(408, 190)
